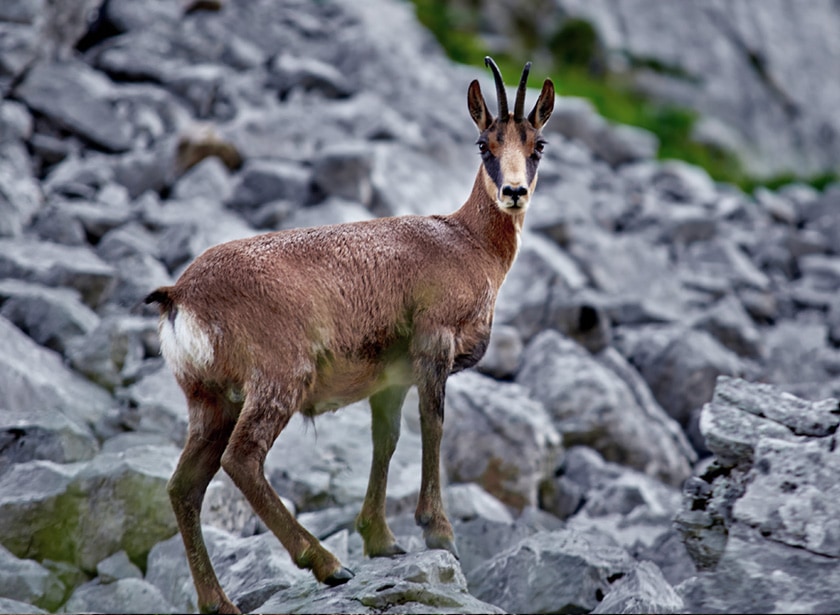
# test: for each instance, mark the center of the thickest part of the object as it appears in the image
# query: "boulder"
(589, 405)
(113, 354)
(494, 435)
(765, 507)
(77, 98)
(504, 353)
(84, 512)
(524, 578)
(327, 464)
(53, 264)
(120, 596)
(680, 366)
(642, 590)
(28, 582)
(412, 583)
(35, 380)
(27, 434)
(53, 317)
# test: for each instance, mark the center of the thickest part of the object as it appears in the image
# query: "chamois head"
(511, 144)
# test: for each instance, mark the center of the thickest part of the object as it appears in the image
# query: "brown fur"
(310, 320)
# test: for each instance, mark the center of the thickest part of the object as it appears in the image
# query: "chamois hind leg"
(433, 358)
(211, 422)
(386, 413)
(266, 412)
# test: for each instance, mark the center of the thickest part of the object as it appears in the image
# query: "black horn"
(519, 105)
(500, 88)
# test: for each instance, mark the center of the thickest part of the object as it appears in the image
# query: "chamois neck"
(496, 231)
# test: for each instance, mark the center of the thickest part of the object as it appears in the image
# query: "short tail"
(162, 297)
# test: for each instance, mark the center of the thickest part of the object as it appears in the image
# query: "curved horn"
(519, 105)
(500, 88)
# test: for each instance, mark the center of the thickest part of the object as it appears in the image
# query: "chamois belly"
(342, 381)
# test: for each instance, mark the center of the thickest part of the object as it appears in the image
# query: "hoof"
(443, 542)
(390, 551)
(339, 577)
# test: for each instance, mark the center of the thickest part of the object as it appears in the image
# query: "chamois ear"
(478, 108)
(545, 105)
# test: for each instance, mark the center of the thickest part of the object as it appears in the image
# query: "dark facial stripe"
(494, 170)
(531, 164)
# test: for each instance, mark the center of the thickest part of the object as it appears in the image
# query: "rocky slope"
(644, 299)
(760, 73)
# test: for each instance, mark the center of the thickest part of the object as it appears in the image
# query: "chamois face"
(510, 145)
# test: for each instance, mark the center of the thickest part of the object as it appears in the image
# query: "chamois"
(310, 320)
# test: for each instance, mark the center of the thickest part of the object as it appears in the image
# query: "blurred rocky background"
(653, 428)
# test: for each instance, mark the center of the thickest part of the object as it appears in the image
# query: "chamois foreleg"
(433, 356)
(211, 423)
(266, 412)
(386, 413)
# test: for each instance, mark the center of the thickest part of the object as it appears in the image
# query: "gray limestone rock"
(27, 581)
(27, 434)
(590, 405)
(53, 317)
(77, 99)
(81, 513)
(642, 590)
(413, 583)
(497, 437)
(34, 379)
(57, 265)
(121, 596)
(524, 578)
(116, 567)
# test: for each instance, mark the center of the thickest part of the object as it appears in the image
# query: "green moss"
(579, 70)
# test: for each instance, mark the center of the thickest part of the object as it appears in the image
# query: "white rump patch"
(183, 343)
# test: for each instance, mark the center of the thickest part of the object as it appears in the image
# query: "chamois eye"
(483, 148)
(539, 146)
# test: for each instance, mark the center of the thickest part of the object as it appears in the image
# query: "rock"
(532, 297)
(497, 437)
(344, 171)
(327, 465)
(261, 181)
(57, 265)
(250, 569)
(504, 353)
(121, 596)
(27, 581)
(53, 317)
(116, 567)
(331, 211)
(767, 499)
(35, 380)
(590, 406)
(469, 501)
(113, 354)
(728, 322)
(77, 99)
(681, 367)
(576, 118)
(21, 197)
(7, 605)
(288, 72)
(82, 513)
(642, 590)
(639, 278)
(28, 434)
(208, 179)
(413, 583)
(155, 404)
(523, 578)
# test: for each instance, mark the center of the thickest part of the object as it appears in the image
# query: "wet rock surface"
(614, 437)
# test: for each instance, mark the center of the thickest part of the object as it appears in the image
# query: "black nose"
(517, 192)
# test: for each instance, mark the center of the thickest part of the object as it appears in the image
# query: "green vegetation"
(578, 68)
